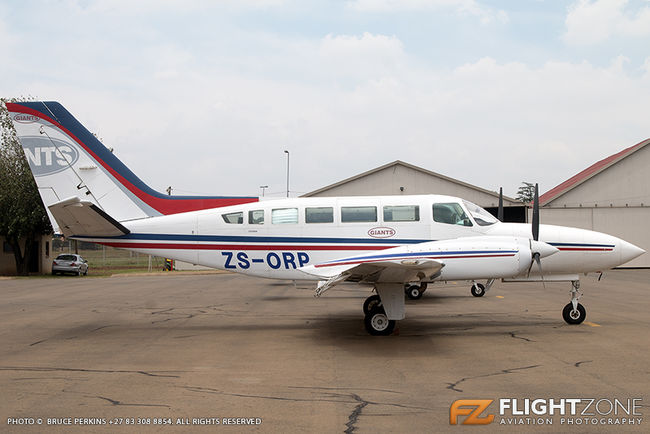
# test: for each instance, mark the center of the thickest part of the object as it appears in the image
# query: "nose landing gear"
(574, 312)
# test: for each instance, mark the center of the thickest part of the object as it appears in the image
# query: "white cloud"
(591, 22)
(486, 15)
(213, 116)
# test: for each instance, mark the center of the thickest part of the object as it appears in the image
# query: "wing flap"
(77, 217)
(395, 271)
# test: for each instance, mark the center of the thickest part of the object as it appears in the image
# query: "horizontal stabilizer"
(82, 218)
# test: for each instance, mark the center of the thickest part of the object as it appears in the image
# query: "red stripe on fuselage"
(162, 205)
(584, 249)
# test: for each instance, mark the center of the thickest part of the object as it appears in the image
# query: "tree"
(22, 214)
(526, 192)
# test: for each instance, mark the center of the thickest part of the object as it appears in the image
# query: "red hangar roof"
(589, 172)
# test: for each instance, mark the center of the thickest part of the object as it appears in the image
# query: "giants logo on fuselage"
(46, 156)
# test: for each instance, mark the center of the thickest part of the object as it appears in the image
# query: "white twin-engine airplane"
(398, 244)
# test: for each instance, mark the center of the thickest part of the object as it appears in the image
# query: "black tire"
(377, 323)
(574, 317)
(478, 290)
(414, 292)
(370, 303)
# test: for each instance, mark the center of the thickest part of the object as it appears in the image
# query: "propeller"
(500, 212)
(534, 244)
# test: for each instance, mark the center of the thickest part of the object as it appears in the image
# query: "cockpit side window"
(481, 216)
(451, 214)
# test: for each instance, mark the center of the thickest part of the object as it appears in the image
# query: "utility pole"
(287, 152)
(263, 187)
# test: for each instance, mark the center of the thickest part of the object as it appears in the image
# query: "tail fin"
(68, 161)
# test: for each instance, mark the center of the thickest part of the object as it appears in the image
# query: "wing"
(77, 217)
(385, 271)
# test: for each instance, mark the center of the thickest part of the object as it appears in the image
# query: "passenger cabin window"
(350, 214)
(450, 213)
(284, 216)
(233, 218)
(256, 217)
(402, 213)
(319, 215)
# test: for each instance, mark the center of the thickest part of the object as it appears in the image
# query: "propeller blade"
(536, 258)
(500, 212)
(536, 214)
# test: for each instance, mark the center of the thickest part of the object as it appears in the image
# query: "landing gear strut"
(574, 312)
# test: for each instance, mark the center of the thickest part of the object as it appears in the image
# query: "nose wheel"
(478, 290)
(574, 312)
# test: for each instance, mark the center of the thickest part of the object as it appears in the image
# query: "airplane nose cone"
(542, 248)
(629, 251)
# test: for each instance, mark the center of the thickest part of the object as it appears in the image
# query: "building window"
(284, 216)
(402, 213)
(233, 218)
(450, 213)
(6, 247)
(350, 214)
(256, 217)
(319, 215)
(47, 249)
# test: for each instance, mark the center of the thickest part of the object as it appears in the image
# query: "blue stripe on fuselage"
(256, 239)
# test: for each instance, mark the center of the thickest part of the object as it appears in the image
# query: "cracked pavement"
(222, 345)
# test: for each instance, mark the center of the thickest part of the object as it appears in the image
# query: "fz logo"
(472, 408)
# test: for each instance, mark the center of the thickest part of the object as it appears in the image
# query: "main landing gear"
(574, 312)
(377, 322)
(479, 290)
(415, 292)
(382, 310)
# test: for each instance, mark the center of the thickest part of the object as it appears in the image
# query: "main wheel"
(377, 322)
(478, 290)
(414, 292)
(370, 303)
(574, 316)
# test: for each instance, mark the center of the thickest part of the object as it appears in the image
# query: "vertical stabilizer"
(68, 161)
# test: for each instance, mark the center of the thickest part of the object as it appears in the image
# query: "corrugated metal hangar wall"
(399, 177)
(611, 196)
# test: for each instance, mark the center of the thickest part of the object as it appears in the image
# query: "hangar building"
(610, 196)
(399, 177)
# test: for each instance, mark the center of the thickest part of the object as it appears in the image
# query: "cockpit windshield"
(481, 216)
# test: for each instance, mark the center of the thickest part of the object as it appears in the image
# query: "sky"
(205, 96)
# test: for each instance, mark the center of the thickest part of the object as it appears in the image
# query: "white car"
(70, 263)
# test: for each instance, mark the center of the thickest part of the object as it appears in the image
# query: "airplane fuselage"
(275, 238)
